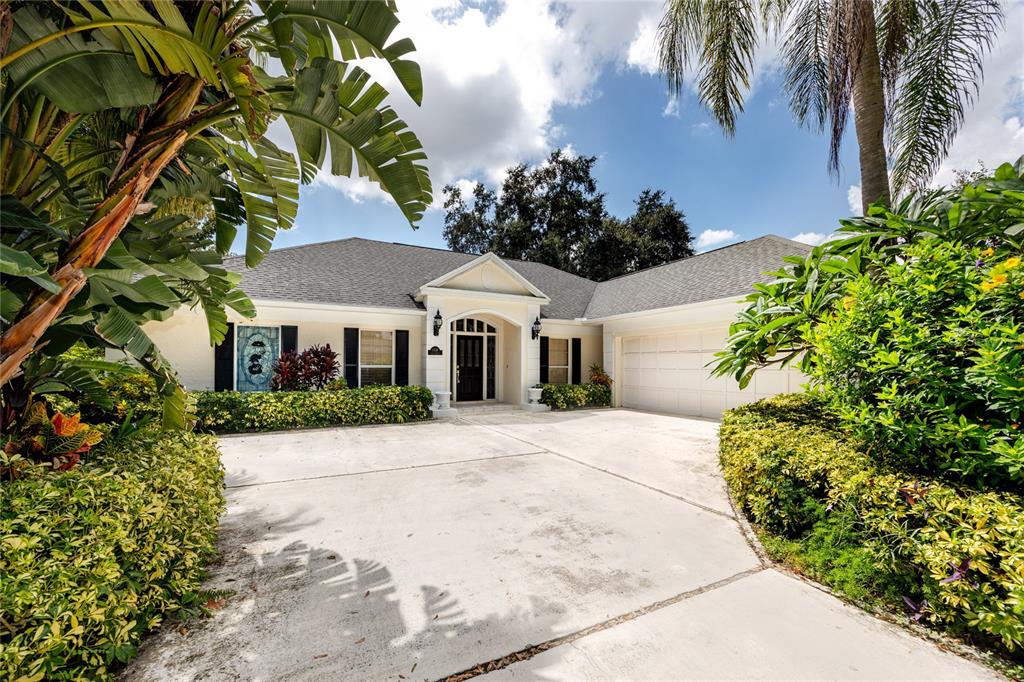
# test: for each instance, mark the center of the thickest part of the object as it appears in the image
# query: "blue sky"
(506, 83)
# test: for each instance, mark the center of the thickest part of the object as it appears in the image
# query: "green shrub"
(780, 472)
(134, 391)
(562, 396)
(94, 557)
(836, 551)
(235, 412)
(923, 362)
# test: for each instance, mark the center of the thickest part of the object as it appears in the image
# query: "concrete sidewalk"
(423, 550)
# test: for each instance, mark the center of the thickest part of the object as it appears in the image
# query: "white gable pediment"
(486, 274)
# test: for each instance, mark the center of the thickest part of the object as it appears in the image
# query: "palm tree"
(909, 68)
(117, 115)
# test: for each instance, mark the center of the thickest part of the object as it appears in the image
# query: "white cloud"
(671, 107)
(853, 198)
(492, 77)
(992, 130)
(700, 128)
(643, 50)
(709, 238)
(812, 238)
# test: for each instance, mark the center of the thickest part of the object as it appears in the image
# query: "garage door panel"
(632, 344)
(771, 381)
(713, 341)
(689, 402)
(689, 341)
(689, 379)
(670, 372)
(667, 342)
(712, 403)
(710, 383)
(690, 361)
(668, 360)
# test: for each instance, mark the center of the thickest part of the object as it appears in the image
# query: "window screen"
(558, 361)
(375, 357)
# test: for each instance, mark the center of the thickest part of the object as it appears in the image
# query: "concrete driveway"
(581, 545)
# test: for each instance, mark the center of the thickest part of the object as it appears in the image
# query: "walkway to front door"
(593, 544)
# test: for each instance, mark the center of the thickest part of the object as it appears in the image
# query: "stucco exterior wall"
(184, 339)
(513, 314)
(591, 341)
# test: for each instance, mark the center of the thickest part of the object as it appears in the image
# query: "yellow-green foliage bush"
(779, 454)
(562, 396)
(236, 412)
(94, 557)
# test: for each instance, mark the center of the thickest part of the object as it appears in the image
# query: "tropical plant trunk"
(135, 173)
(869, 112)
(19, 341)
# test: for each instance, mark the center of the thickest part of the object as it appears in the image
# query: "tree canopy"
(554, 214)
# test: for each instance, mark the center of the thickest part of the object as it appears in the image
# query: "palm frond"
(844, 42)
(804, 53)
(680, 38)
(897, 21)
(729, 43)
(942, 73)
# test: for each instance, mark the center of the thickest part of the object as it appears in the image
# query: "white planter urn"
(442, 399)
(534, 395)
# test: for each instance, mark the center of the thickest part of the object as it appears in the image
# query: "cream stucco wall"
(184, 340)
(516, 316)
(591, 341)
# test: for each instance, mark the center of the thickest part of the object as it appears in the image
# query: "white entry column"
(436, 357)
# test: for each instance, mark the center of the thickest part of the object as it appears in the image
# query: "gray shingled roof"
(724, 272)
(362, 272)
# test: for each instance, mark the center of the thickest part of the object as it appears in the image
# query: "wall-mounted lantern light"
(536, 328)
(437, 322)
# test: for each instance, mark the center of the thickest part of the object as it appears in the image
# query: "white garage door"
(668, 372)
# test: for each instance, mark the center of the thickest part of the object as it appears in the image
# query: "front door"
(469, 367)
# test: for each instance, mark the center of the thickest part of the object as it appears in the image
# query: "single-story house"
(485, 328)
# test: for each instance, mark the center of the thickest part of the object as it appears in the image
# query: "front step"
(474, 409)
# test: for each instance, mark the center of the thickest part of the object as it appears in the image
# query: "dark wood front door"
(469, 368)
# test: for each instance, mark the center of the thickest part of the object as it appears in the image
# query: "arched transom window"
(472, 325)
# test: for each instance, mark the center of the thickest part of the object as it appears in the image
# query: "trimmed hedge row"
(964, 549)
(95, 557)
(236, 412)
(562, 396)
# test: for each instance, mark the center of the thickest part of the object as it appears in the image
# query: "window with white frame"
(558, 361)
(376, 357)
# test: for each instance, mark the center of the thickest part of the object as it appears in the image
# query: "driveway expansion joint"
(534, 649)
(384, 471)
(606, 471)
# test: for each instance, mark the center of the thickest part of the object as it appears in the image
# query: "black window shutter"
(543, 359)
(402, 357)
(224, 360)
(577, 351)
(352, 357)
(289, 338)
